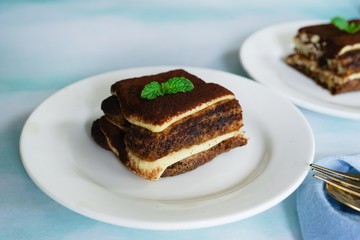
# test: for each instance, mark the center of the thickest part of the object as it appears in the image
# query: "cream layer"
(154, 169)
(354, 76)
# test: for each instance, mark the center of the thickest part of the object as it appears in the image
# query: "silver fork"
(349, 183)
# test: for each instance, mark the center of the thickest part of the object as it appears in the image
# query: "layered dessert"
(329, 55)
(172, 133)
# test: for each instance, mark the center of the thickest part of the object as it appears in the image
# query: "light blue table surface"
(46, 45)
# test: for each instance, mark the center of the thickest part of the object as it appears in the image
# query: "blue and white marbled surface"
(46, 45)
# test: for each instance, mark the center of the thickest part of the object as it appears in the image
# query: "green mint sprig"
(344, 25)
(173, 85)
(152, 90)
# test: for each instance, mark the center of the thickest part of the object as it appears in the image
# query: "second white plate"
(262, 55)
(63, 160)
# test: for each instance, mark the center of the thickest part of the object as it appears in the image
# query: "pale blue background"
(46, 45)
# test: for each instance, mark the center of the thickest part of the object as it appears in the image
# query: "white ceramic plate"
(262, 56)
(62, 159)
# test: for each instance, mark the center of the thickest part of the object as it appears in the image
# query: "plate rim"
(172, 225)
(320, 106)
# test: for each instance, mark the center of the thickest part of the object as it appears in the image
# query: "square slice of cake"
(171, 134)
(329, 56)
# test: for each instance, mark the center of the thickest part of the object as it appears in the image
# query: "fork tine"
(343, 181)
(335, 184)
(344, 175)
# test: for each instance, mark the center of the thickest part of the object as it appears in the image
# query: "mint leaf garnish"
(152, 90)
(344, 25)
(354, 27)
(171, 86)
(177, 84)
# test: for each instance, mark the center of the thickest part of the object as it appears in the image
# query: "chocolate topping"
(159, 110)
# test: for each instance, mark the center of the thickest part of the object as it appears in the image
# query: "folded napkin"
(322, 217)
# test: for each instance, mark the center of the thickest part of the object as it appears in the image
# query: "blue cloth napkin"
(322, 217)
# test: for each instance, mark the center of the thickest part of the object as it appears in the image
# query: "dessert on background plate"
(329, 54)
(169, 123)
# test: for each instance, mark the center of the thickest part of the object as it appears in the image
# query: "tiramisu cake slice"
(172, 133)
(329, 55)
